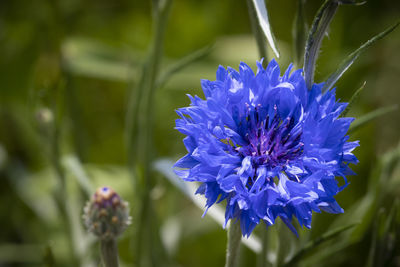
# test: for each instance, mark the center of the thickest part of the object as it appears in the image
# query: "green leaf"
(391, 220)
(312, 244)
(374, 241)
(299, 33)
(351, 2)
(381, 233)
(317, 32)
(353, 98)
(182, 64)
(345, 65)
(370, 116)
(262, 15)
(329, 235)
(257, 32)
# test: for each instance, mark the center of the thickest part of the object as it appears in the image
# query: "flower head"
(267, 145)
(106, 215)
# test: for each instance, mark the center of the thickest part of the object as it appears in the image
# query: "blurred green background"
(76, 61)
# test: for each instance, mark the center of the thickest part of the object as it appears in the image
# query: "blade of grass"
(318, 30)
(181, 64)
(353, 98)
(139, 132)
(312, 244)
(361, 121)
(262, 15)
(374, 241)
(345, 65)
(257, 31)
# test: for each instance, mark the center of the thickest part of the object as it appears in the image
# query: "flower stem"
(285, 241)
(53, 138)
(139, 134)
(262, 257)
(109, 253)
(233, 248)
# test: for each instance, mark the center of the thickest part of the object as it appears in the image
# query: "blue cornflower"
(267, 145)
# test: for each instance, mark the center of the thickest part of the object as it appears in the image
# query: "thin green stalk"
(141, 96)
(262, 257)
(364, 119)
(257, 32)
(316, 242)
(284, 238)
(233, 248)
(139, 133)
(109, 253)
(60, 195)
(54, 84)
(353, 98)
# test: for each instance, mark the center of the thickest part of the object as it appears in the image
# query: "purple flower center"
(272, 141)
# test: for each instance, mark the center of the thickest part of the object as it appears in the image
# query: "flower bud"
(106, 215)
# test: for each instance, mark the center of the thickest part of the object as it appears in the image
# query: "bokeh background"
(74, 62)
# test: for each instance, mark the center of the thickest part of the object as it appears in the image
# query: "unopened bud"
(106, 215)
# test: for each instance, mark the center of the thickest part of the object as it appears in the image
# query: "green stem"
(284, 243)
(139, 133)
(262, 257)
(233, 248)
(109, 253)
(141, 97)
(257, 32)
(60, 193)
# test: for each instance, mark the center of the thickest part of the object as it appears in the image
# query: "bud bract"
(106, 215)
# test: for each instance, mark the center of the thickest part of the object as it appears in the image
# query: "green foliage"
(262, 15)
(364, 119)
(353, 98)
(334, 77)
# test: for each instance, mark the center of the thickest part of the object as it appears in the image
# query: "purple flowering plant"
(267, 145)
